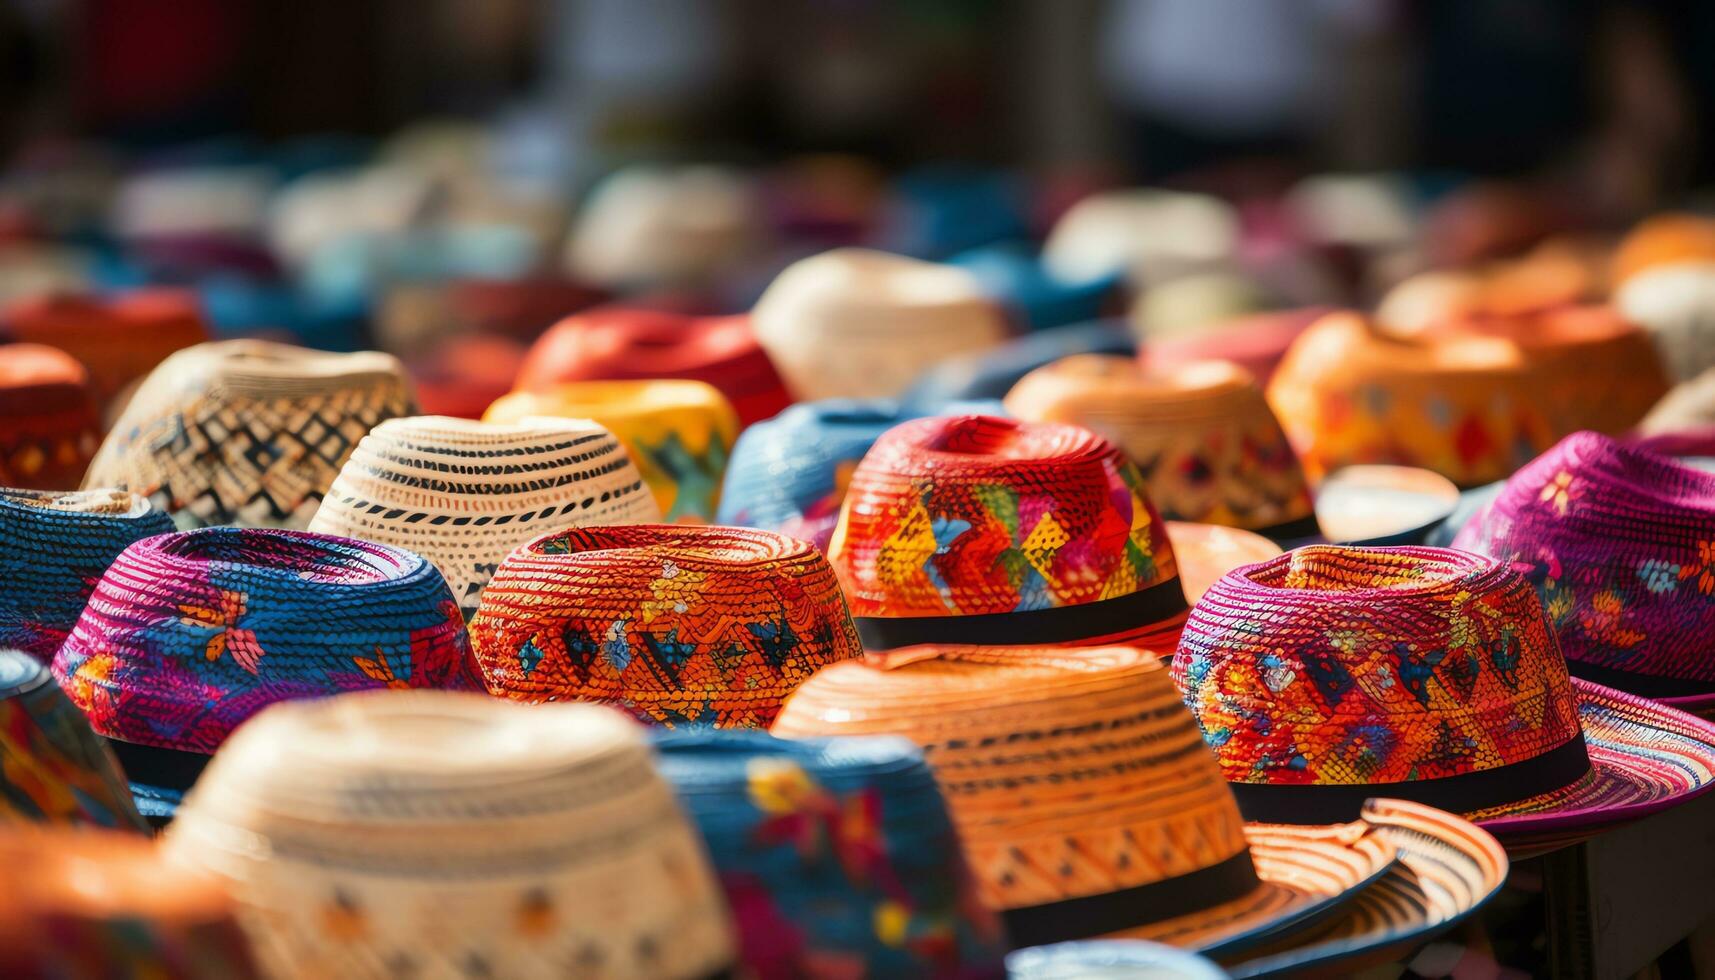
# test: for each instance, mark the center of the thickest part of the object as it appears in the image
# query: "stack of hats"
(1209, 448)
(189, 634)
(119, 339)
(658, 227)
(621, 345)
(679, 625)
(52, 767)
(463, 494)
(436, 834)
(247, 432)
(679, 433)
(853, 323)
(49, 421)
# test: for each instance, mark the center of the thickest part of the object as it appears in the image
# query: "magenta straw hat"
(1333, 674)
(1620, 544)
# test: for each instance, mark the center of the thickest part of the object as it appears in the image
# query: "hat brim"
(1376, 505)
(1448, 868)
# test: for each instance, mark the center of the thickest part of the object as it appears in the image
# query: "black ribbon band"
(1295, 531)
(1060, 624)
(1098, 915)
(153, 766)
(1338, 803)
(1643, 685)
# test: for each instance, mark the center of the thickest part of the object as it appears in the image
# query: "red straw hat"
(49, 426)
(119, 339)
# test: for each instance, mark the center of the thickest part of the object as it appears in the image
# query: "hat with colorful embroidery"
(1330, 675)
(82, 902)
(1464, 407)
(188, 634)
(437, 834)
(1209, 448)
(247, 432)
(52, 767)
(1620, 544)
(705, 626)
(119, 339)
(463, 494)
(49, 421)
(679, 433)
(836, 854)
(976, 529)
(1086, 801)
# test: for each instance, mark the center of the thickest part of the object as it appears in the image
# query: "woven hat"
(464, 375)
(992, 373)
(1689, 406)
(679, 433)
(120, 339)
(1255, 342)
(1675, 305)
(855, 323)
(52, 767)
(1150, 235)
(678, 625)
(436, 834)
(188, 634)
(1375, 504)
(1617, 542)
(463, 494)
(1209, 448)
(1668, 239)
(1330, 675)
(246, 431)
(1464, 407)
(49, 425)
(518, 308)
(658, 226)
(975, 529)
(1039, 299)
(612, 344)
(1086, 801)
(1205, 552)
(53, 549)
(94, 903)
(835, 854)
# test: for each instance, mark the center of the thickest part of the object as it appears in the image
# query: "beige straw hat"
(1150, 235)
(444, 835)
(247, 432)
(857, 323)
(664, 227)
(463, 494)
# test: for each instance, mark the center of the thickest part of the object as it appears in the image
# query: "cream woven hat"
(1675, 303)
(247, 432)
(440, 835)
(463, 494)
(664, 227)
(858, 323)
(1150, 235)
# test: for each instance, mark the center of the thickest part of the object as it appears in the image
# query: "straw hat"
(463, 375)
(463, 494)
(1376, 504)
(1150, 235)
(246, 431)
(679, 625)
(1255, 342)
(49, 425)
(1202, 434)
(53, 548)
(188, 634)
(443, 835)
(658, 226)
(612, 344)
(1617, 542)
(1191, 304)
(1370, 211)
(52, 767)
(1675, 304)
(976, 529)
(1464, 407)
(1666, 239)
(1039, 299)
(855, 323)
(1086, 801)
(1330, 675)
(834, 853)
(92, 903)
(1205, 552)
(119, 339)
(1688, 406)
(679, 433)
(990, 374)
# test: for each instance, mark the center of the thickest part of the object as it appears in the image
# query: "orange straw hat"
(49, 424)
(1202, 434)
(1465, 407)
(975, 529)
(1085, 798)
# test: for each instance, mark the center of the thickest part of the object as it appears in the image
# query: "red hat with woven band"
(49, 425)
(678, 625)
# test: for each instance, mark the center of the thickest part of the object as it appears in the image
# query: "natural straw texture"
(247, 432)
(679, 433)
(679, 625)
(1690, 405)
(855, 323)
(1209, 448)
(1330, 674)
(120, 339)
(1076, 777)
(53, 549)
(974, 516)
(463, 494)
(442, 835)
(835, 854)
(52, 767)
(1618, 543)
(49, 421)
(1463, 407)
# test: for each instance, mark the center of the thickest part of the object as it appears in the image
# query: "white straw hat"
(659, 226)
(441, 835)
(1150, 235)
(463, 494)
